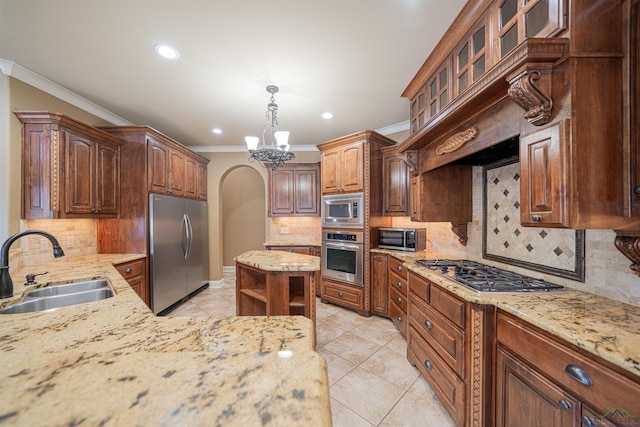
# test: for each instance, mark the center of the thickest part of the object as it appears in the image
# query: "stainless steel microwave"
(343, 210)
(403, 239)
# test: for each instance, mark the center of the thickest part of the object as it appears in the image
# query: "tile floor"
(371, 382)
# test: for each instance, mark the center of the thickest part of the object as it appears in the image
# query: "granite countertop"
(292, 243)
(601, 326)
(114, 362)
(279, 261)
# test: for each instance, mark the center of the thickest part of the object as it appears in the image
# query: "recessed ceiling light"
(166, 51)
(326, 115)
(216, 131)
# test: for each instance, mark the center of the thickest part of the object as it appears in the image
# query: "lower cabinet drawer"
(446, 339)
(445, 383)
(399, 317)
(398, 298)
(344, 295)
(398, 283)
(131, 269)
(583, 377)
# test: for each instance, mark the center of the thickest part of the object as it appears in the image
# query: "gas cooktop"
(485, 278)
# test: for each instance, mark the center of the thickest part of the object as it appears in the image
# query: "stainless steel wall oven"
(342, 256)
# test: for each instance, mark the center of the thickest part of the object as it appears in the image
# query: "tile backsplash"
(77, 237)
(306, 229)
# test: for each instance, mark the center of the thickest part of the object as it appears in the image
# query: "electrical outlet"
(70, 242)
(284, 230)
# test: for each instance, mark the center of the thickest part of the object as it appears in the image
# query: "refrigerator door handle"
(185, 236)
(190, 236)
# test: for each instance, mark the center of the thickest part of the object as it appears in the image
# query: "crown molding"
(27, 76)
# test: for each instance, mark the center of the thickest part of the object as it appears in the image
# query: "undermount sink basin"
(63, 295)
(68, 288)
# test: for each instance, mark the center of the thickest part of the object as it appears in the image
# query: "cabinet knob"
(427, 365)
(564, 404)
(399, 318)
(578, 374)
(399, 268)
(587, 421)
(636, 190)
(290, 250)
(400, 299)
(128, 270)
(536, 218)
(340, 294)
(99, 209)
(399, 284)
(93, 210)
(428, 324)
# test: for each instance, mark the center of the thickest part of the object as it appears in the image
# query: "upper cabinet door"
(352, 168)
(107, 179)
(158, 166)
(294, 190)
(332, 170)
(544, 181)
(80, 179)
(306, 191)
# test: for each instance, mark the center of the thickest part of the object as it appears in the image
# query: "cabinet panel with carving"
(70, 170)
(294, 190)
(395, 185)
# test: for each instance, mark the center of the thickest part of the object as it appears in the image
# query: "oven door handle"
(342, 246)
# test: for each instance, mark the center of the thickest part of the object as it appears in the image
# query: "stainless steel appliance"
(485, 278)
(179, 249)
(402, 239)
(343, 210)
(342, 256)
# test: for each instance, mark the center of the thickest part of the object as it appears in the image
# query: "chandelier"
(277, 152)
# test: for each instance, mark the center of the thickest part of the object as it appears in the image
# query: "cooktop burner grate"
(485, 278)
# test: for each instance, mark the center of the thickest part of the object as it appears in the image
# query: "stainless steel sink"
(69, 288)
(63, 295)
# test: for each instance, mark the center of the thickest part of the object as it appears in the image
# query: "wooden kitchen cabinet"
(69, 169)
(166, 169)
(395, 174)
(343, 294)
(294, 190)
(442, 195)
(398, 294)
(544, 171)
(304, 250)
(342, 168)
(558, 383)
(135, 273)
(379, 284)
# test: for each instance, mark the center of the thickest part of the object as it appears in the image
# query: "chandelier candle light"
(274, 155)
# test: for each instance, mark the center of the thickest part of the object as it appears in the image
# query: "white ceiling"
(351, 57)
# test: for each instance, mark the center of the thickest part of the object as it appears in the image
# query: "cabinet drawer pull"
(290, 250)
(340, 294)
(399, 318)
(564, 404)
(399, 299)
(399, 268)
(587, 421)
(536, 218)
(578, 374)
(636, 190)
(427, 365)
(128, 270)
(428, 324)
(399, 284)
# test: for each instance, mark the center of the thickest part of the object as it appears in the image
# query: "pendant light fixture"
(274, 152)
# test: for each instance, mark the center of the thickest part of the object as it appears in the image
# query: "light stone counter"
(113, 361)
(279, 261)
(601, 326)
(293, 243)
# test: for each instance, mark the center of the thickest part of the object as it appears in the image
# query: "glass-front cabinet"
(471, 58)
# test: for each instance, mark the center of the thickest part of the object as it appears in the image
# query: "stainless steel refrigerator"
(179, 249)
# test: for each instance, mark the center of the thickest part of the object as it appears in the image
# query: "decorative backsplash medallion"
(550, 250)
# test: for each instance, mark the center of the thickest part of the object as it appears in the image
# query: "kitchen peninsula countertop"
(279, 261)
(114, 362)
(601, 326)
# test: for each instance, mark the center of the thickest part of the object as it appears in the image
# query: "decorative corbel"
(411, 159)
(628, 242)
(530, 88)
(460, 230)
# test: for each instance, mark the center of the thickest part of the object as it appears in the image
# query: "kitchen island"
(112, 362)
(276, 283)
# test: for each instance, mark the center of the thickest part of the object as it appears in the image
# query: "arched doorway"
(242, 204)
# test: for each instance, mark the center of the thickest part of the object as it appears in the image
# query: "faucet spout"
(6, 284)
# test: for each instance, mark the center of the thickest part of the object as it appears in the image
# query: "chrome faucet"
(6, 284)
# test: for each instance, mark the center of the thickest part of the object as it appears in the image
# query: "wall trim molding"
(27, 76)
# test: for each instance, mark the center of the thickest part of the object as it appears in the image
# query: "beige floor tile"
(366, 394)
(379, 330)
(338, 367)
(327, 331)
(352, 348)
(391, 366)
(411, 411)
(342, 416)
